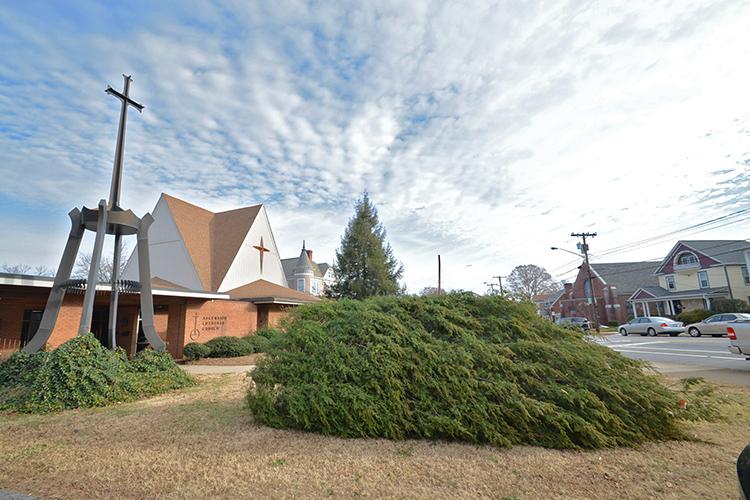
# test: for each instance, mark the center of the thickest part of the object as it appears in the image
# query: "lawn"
(201, 442)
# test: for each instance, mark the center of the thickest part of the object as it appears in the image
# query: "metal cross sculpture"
(262, 249)
(107, 218)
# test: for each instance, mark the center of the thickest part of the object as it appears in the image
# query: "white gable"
(246, 265)
(169, 257)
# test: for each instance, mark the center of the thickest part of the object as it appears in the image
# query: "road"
(685, 356)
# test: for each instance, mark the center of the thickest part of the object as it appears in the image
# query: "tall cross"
(114, 190)
(262, 249)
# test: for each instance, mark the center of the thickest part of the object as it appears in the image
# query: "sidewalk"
(216, 369)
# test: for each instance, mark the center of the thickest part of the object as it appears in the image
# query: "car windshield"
(743, 316)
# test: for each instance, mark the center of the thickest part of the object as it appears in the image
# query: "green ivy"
(81, 373)
(456, 367)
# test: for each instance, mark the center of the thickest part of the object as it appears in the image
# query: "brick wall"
(611, 304)
(178, 320)
(204, 320)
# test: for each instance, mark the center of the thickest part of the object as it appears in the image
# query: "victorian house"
(692, 275)
(305, 275)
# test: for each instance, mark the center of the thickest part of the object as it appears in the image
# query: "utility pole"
(585, 249)
(439, 277)
(500, 280)
(491, 287)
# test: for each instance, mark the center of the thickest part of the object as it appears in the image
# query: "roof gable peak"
(212, 239)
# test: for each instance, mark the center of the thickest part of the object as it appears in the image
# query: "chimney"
(309, 255)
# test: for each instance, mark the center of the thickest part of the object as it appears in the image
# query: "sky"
(485, 132)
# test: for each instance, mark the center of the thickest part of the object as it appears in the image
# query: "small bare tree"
(42, 270)
(16, 268)
(26, 269)
(530, 280)
(83, 263)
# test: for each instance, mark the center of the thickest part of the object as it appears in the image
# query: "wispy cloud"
(485, 132)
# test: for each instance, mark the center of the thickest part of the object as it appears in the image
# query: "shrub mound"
(228, 347)
(195, 350)
(694, 316)
(457, 367)
(81, 373)
(263, 340)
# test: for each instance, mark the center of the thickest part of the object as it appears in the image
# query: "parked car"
(576, 321)
(715, 325)
(739, 336)
(652, 326)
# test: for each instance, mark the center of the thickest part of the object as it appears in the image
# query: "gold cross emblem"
(262, 249)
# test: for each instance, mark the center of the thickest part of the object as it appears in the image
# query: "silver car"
(652, 326)
(715, 325)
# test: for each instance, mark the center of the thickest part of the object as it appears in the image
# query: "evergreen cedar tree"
(365, 265)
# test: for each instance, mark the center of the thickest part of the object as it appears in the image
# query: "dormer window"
(687, 259)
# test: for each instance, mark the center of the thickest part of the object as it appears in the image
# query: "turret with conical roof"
(304, 265)
(304, 273)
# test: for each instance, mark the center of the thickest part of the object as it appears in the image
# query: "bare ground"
(201, 442)
(250, 359)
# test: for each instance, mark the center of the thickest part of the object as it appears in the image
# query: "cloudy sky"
(485, 132)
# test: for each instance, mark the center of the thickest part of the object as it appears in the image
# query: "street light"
(569, 251)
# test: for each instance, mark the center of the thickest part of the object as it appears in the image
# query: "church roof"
(262, 291)
(212, 239)
(158, 282)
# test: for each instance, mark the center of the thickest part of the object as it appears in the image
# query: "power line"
(653, 240)
(657, 262)
(640, 244)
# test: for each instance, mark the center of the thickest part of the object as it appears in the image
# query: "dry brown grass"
(201, 442)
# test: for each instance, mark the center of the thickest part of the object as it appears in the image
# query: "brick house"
(213, 274)
(612, 284)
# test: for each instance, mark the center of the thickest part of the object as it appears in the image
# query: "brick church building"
(213, 274)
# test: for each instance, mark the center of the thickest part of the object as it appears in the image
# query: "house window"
(686, 258)
(300, 284)
(703, 279)
(314, 287)
(670, 282)
(745, 275)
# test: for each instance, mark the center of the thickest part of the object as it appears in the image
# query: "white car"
(739, 337)
(652, 326)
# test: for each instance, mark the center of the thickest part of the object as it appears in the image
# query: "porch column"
(648, 310)
(668, 304)
(707, 302)
(635, 309)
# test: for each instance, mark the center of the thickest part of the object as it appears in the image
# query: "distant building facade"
(612, 284)
(692, 275)
(305, 275)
